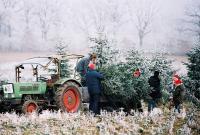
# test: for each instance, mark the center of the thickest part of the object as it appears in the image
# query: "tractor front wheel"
(68, 97)
(30, 106)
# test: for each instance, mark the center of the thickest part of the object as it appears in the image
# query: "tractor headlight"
(8, 88)
(13, 95)
(6, 95)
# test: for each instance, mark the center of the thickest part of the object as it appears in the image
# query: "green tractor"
(52, 90)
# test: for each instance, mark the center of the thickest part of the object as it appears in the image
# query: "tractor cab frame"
(56, 59)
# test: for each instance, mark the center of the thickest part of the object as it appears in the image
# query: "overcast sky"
(75, 20)
(165, 25)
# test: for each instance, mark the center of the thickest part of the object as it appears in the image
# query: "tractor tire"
(68, 97)
(30, 106)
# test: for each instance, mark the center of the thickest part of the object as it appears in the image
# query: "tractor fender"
(64, 80)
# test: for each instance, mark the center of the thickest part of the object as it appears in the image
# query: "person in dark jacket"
(93, 83)
(178, 94)
(82, 66)
(154, 94)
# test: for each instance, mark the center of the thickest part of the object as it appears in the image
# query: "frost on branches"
(119, 84)
(160, 63)
(192, 82)
(102, 47)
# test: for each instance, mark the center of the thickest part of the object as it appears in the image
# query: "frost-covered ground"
(116, 123)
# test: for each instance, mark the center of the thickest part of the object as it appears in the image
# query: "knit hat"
(137, 73)
(177, 79)
(91, 66)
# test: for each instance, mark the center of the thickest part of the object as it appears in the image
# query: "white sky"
(71, 13)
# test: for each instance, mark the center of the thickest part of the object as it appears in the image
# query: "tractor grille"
(29, 88)
(35, 88)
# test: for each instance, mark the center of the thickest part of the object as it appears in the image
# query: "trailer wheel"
(30, 106)
(68, 97)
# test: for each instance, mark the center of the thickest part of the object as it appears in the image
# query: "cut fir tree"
(119, 85)
(193, 71)
(107, 55)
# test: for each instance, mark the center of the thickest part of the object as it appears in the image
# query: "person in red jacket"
(138, 104)
(178, 94)
(137, 73)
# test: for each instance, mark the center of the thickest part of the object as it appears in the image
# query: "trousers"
(94, 103)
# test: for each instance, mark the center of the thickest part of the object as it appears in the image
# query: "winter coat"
(82, 66)
(178, 94)
(154, 83)
(93, 81)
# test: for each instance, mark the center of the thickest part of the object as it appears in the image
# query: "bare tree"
(43, 19)
(8, 8)
(193, 18)
(98, 16)
(141, 15)
(116, 19)
(101, 17)
(83, 22)
(27, 18)
(27, 12)
(92, 20)
(47, 14)
(116, 14)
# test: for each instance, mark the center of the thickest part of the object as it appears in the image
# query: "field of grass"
(159, 122)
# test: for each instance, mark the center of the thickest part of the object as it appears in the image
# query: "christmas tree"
(119, 84)
(138, 86)
(160, 63)
(107, 55)
(61, 49)
(193, 71)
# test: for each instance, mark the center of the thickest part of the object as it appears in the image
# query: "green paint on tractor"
(57, 89)
(20, 89)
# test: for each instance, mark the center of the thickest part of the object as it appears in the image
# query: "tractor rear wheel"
(68, 97)
(30, 106)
